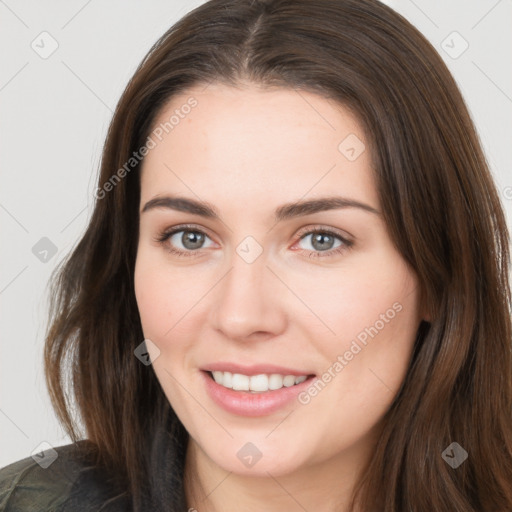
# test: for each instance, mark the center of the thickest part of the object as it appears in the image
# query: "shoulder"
(59, 479)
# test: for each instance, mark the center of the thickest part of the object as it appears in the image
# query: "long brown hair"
(442, 211)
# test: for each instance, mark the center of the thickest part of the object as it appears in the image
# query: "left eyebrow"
(283, 212)
(301, 208)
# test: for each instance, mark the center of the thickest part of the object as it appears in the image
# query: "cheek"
(163, 297)
(154, 295)
(361, 379)
(376, 293)
(372, 315)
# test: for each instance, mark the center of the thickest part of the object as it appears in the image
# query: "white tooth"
(275, 381)
(228, 380)
(289, 380)
(259, 382)
(240, 382)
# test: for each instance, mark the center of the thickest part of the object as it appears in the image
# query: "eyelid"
(303, 231)
(344, 235)
(184, 227)
(346, 239)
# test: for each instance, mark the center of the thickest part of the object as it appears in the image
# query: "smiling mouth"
(262, 383)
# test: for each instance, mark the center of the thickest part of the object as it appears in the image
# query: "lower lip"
(244, 403)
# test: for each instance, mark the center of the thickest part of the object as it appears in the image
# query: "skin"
(247, 151)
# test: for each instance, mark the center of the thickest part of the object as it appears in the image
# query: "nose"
(249, 302)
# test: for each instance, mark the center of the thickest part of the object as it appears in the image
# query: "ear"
(427, 313)
(426, 308)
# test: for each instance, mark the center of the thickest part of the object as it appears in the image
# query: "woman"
(293, 292)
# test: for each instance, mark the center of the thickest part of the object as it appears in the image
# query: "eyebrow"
(284, 212)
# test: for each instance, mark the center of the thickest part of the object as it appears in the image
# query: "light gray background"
(54, 116)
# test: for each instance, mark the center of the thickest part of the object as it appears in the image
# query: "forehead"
(251, 143)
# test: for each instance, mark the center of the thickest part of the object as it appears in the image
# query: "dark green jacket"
(70, 483)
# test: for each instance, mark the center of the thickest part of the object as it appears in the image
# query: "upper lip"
(254, 369)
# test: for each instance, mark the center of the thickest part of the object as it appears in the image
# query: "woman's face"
(253, 293)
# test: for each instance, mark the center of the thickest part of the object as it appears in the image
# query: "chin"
(257, 458)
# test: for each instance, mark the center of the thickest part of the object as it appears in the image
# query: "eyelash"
(164, 236)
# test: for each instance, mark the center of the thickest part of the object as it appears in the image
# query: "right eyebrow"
(182, 204)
